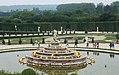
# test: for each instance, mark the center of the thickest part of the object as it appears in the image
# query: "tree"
(84, 7)
(115, 7)
(17, 20)
(107, 9)
(28, 72)
(107, 17)
(24, 15)
(100, 8)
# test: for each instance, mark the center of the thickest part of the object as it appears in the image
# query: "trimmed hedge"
(108, 26)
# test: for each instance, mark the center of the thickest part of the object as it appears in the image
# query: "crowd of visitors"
(111, 45)
(96, 45)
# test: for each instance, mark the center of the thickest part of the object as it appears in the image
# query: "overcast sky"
(44, 2)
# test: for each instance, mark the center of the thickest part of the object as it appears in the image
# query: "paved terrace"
(82, 46)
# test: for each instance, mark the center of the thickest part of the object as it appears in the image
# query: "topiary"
(48, 33)
(43, 41)
(31, 41)
(9, 43)
(20, 41)
(28, 72)
(57, 32)
(74, 32)
(70, 31)
(65, 40)
(93, 40)
(66, 32)
(3, 41)
(86, 32)
(43, 33)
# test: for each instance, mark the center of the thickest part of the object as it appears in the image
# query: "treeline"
(83, 12)
(83, 17)
(90, 8)
(55, 16)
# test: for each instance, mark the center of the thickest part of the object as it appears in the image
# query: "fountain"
(56, 57)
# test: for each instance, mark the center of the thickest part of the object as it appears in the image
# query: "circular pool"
(105, 64)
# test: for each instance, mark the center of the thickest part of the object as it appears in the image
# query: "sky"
(49, 2)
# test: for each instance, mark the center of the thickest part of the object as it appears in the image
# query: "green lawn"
(26, 40)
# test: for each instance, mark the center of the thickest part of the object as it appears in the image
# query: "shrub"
(28, 72)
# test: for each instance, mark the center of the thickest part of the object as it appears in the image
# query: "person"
(84, 40)
(94, 45)
(67, 44)
(87, 44)
(38, 44)
(117, 41)
(76, 42)
(97, 45)
(33, 43)
(110, 45)
(17, 55)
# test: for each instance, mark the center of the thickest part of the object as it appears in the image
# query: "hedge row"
(49, 26)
